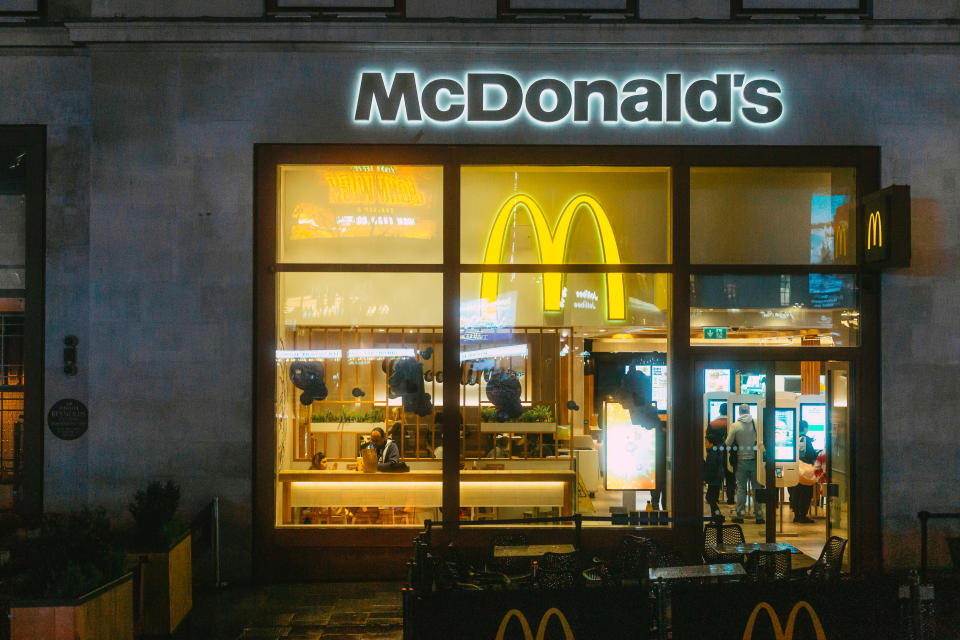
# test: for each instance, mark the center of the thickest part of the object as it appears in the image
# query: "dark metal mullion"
(451, 343)
(771, 269)
(686, 448)
(785, 354)
(566, 268)
(290, 267)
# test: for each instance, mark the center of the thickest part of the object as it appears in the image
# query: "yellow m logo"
(779, 632)
(841, 240)
(874, 231)
(552, 249)
(541, 628)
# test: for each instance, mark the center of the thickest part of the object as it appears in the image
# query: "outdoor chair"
(555, 571)
(768, 566)
(513, 567)
(721, 534)
(452, 571)
(828, 566)
(629, 567)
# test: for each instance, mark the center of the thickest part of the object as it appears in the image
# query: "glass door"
(776, 448)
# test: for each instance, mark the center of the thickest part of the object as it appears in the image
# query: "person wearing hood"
(742, 435)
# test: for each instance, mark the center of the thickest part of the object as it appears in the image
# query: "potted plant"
(536, 419)
(160, 553)
(69, 582)
(347, 420)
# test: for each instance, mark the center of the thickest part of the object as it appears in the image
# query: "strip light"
(321, 354)
(381, 353)
(494, 352)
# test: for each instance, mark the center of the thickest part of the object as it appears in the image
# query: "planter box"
(103, 614)
(518, 427)
(165, 581)
(345, 427)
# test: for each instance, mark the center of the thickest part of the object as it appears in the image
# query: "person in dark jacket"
(729, 480)
(713, 470)
(388, 453)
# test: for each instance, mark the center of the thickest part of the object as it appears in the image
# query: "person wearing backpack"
(802, 494)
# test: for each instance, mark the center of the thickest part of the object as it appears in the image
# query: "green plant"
(74, 554)
(537, 413)
(348, 414)
(153, 510)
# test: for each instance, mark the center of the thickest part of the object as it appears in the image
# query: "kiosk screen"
(815, 415)
(716, 380)
(753, 411)
(630, 452)
(714, 409)
(785, 435)
(658, 376)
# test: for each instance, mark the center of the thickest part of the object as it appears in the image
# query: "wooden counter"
(423, 489)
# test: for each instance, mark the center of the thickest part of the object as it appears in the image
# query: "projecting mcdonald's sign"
(541, 628)
(885, 216)
(784, 633)
(874, 230)
(551, 246)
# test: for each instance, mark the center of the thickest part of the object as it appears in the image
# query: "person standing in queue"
(712, 470)
(802, 494)
(388, 454)
(719, 425)
(743, 436)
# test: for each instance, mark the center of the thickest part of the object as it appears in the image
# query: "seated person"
(438, 450)
(501, 449)
(388, 454)
(319, 462)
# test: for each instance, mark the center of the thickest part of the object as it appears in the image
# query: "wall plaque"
(67, 419)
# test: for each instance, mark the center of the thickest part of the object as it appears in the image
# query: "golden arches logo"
(874, 231)
(541, 628)
(841, 240)
(784, 633)
(552, 249)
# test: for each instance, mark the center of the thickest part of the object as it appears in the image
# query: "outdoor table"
(660, 575)
(530, 550)
(799, 561)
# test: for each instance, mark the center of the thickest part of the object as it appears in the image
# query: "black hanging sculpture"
(634, 394)
(309, 377)
(503, 390)
(406, 381)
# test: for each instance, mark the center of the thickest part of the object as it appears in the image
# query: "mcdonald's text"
(491, 98)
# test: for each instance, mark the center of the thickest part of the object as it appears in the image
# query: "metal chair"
(510, 566)
(828, 566)
(768, 566)
(555, 571)
(454, 572)
(715, 534)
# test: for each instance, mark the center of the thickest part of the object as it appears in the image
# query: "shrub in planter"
(74, 553)
(69, 582)
(154, 510)
(161, 554)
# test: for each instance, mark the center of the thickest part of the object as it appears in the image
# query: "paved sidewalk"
(343, 611)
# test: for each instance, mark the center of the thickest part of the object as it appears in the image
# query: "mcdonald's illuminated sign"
(840, 240)
(552, 249)
(779, 632)
(541, 628)
(885, 216)
(874, 230)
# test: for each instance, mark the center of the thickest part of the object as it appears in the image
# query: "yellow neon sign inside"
(551, 246)
(841, 240)
(874, 231)
(781, 633)
(541, 628)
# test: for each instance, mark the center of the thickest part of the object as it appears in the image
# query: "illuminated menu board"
(815, 416)
(658, 375)
(716, 380)
(630, 451)
(785, 435)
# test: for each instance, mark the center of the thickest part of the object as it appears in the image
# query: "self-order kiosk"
(786, 416)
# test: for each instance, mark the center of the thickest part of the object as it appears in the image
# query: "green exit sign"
(715, 333)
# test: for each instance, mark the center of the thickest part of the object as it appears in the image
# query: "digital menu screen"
(815, 416)
(716, 380)
(658, 376)
(785, 435)
(630, 451)
(713, 407)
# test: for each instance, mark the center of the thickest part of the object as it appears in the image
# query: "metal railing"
(205, 531)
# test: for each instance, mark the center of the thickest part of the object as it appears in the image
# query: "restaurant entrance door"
(801, 415)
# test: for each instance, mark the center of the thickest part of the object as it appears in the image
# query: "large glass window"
(582, 388)
(769, 311)
(554, 215)
(360, 214)
(772, 215)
